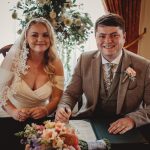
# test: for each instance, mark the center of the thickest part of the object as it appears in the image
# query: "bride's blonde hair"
(51, 53)
(15, 65)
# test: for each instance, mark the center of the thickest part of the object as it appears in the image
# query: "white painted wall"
(144, 43)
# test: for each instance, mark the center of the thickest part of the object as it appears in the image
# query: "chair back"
(5, 49)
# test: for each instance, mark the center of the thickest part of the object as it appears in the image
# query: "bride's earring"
(23, 58)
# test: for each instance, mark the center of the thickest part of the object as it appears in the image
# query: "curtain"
(130, 11)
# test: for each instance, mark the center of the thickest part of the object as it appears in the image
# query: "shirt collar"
(115, 61)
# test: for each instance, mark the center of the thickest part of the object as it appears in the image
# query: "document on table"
(83, 130)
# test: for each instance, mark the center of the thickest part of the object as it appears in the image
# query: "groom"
(113, 80)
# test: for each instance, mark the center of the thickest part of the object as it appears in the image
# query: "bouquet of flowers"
(57, 136)
(51, 136)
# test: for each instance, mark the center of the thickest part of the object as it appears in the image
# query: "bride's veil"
(14, 63)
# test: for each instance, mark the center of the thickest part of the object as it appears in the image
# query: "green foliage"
(72, 26)
(83, 145)
(108, 144)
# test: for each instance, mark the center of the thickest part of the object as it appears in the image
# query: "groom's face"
(110, 40)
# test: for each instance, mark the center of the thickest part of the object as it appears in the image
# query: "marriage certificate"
(83, 130)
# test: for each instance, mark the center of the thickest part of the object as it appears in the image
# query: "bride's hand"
(38, 112)
(20, 114)
(27, 147)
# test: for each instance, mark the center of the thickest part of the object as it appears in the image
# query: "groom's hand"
(63, 114)
(121, 125)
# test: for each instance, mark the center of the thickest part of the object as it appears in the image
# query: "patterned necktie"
(108, 76)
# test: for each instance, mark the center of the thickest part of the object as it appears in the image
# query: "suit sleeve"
(142, 115)
(74, 90)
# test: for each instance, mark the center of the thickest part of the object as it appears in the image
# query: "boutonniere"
(129, 73)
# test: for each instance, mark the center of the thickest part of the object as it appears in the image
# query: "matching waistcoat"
(106, 104)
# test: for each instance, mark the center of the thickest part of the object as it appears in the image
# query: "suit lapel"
(95, 71)
(126, 62)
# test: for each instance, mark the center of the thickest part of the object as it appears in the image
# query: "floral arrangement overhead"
(71, 24)
(56, 136)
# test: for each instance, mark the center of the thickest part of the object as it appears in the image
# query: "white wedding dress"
(25, 97)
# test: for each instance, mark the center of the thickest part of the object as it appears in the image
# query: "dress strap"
(59, 82)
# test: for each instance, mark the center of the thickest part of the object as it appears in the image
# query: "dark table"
(138, 139)
(8, 127)
(135, 139)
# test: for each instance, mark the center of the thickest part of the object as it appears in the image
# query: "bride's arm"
(17, 114)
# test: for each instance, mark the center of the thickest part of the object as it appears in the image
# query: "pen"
(66, 110)
(125, 78)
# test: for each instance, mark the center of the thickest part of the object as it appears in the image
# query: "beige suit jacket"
(86, 80)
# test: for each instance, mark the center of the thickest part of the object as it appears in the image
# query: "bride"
(32, 78)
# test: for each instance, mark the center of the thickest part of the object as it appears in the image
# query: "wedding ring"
(19, 117)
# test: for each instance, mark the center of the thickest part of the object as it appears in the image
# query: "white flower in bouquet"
(43, 2)
(77, 22)
(68, 21)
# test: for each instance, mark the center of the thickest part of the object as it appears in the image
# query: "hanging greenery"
(71, 24)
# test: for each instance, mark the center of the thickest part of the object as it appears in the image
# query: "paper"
(83, 130)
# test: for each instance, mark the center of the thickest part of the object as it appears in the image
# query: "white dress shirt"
(116, 61)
